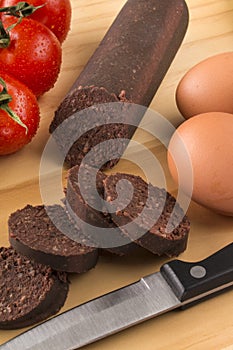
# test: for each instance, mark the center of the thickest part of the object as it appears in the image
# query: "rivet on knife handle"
(194, 281)
(177, 285)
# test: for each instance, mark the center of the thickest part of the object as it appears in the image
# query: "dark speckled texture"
(129, 65)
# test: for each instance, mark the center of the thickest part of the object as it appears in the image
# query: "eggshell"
(207, 87)
(208, 140)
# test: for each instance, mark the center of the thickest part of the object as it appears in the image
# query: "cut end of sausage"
(45, 235)
(30, 292)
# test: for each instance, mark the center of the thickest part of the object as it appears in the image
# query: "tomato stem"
(4, 34)
(4, 37)
(5, 99)
(22, 9)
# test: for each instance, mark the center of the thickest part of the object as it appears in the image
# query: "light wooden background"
(205, 326)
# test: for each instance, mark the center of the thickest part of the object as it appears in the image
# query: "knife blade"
(178, 284)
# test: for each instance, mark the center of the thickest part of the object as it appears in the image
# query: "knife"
(178, 284)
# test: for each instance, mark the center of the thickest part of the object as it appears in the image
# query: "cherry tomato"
(33, 55)
(55, 14)
(24, 104)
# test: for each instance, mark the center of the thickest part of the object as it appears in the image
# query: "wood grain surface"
(206, 326)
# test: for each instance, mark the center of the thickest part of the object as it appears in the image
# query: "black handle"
(190, 280)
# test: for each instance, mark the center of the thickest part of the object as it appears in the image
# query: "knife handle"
(195, 281)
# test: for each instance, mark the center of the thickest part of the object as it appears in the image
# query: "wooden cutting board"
(205, 326)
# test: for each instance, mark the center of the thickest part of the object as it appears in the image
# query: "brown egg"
(207, 139)
(207, 87)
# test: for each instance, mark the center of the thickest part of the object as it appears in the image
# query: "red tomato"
(33, 56)
(55, 14)
(24, 103)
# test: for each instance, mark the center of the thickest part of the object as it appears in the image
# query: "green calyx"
(4, 37)
(21, 10)
(5, 99)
